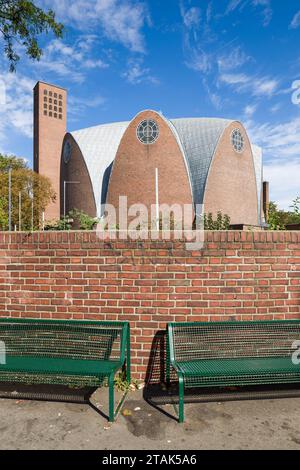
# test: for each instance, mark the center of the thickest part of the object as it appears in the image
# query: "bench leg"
(181, 398)
(128, 360)
(168, 365)
(111, 384)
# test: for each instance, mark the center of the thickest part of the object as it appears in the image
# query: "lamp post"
(156, 199)
(32, 224)
(9, 198)
(65, 187)
(20, 211)
(30, 193)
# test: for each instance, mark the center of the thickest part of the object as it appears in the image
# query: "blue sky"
(225, 58)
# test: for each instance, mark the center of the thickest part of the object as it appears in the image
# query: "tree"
(21, 22)
(278, 219)
(296, 210)
(35, 190)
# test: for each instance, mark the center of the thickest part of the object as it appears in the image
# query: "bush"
(222, 222)
(279, 219)
(74, 219)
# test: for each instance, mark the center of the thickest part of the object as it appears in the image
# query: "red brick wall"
(238, 275)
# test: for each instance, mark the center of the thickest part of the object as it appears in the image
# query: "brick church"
(208, 161)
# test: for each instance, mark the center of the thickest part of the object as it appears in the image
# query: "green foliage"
(279, 219)
(296, 210)
(222, 222)
(27, 183)
(75, 219)
(83, 220)
(61, 224)
(21, 22)
(10, 161)
(121, 383)
(3, 216)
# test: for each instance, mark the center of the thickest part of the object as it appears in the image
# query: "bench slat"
(49, 365)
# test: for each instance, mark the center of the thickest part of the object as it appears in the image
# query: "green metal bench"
(219, 354)
(65, 352)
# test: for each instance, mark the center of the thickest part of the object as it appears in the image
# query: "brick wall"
(238, 275)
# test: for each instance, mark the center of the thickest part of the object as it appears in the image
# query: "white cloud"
(191, 17)
(276, 107)
(199, 60)
(295, 23)
(195, 37)
(137, 73)
(281, 148)
(232, 5)
(264, 5)
(267, 11)
(94, 64)
(119, 20)
(284, 182)
(281, 138)
(16, 113)
(250, 110)
(257, 86)
(265, 86)
(71, 61)
(78, 105)
(235, 59)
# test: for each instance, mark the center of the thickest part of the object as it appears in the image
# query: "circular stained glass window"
(67, 152)
(237, 140)
(147, 131)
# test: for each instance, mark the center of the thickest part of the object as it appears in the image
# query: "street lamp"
(20, 211)
(65, 186)
(9, 198)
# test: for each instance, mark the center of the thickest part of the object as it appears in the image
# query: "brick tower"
(50, 126)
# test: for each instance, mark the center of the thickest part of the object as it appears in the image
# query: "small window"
(55, 101)
(60, 103)
(50, 100)
(55, 95)
(45, 92)
(45, 105)
(147, 131)
(50, 93)
(45, 98)
(60, 97)
(55, 108)
(50, 114)
(60, 110)
(50, 106)
(55, 115)
(60, 116)
(237, 140)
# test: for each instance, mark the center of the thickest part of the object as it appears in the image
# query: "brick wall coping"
(91, 237)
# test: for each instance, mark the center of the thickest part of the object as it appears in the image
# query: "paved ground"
(255, 424)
